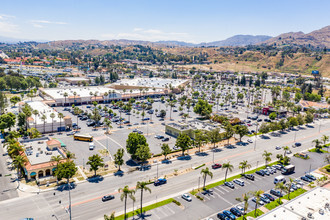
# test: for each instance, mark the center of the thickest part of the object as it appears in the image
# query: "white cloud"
(6, 26)
(42, 23)
(148, 35)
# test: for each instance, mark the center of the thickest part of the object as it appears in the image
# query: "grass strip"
(145, 209)
(293, 195)
(251, 214)
(199, 166)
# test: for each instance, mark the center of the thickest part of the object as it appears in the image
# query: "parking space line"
(247, 182)
(160, 209)
(223, 187)
(217, 189)
(169, 209)
(212, 195)
(217, 194)
(227, 201)
(104, 148)
(153, 212)
(205, 197)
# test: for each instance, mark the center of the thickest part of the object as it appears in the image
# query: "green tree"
(95, 162)
(203, 108)
(111, 217)
(243, 165)
(7, 121)
(285, 148)
(133, 141)
(184, 142)
(142, 186)
(280, 186)
(288, 187)
(266, 155)
(206, 172)
(229, 167)
(143, 153)
(272, 116)
(19, 162)
(125, 193)
(44, 119)
(52, 116)
(309, 118)
(241, 131)
(14, 100)
(66, 170)
(166, 150)
(293, 122)
(200, 138)
(214, 136)
(36, 113)
(318, 145)
(229, 131)
(300, 119)
(118, 157)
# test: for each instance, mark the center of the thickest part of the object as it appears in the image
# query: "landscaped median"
(293, 195)
(148, 208)
(251, 214)
(221, 182)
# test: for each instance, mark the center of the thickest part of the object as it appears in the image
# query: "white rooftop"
(151, 82)
(312, 202)
(43, 109)
(58, 93)
(37, 152)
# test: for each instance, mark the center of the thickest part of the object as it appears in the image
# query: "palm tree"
(317, 144)
(14, 149)
(52, 115)
(266, 155)
(19, 162)
(35, 112)
(60, 116)
(70, 155)
(126, 192)
(288, 187)
(65, 95)
(74, 97)
(143, 186)
(229, 167)
(243, 165)
(246, 198)
(106, 95)
(108, 124)
(257, 195)
(91, 94)
(206, 172)
(281, 187)
(57, 159)
(44, 118)
(325, 139)
(286, 148)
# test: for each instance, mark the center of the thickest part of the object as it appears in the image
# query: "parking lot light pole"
(199, 179)
(157, 169)
(213, 155)
(257, 166)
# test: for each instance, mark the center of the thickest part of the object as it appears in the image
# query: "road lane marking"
(231, 156)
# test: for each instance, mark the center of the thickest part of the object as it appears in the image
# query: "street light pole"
(70, 213)
(257, 166)
(157, 169)
(199, 178)
(295, 134)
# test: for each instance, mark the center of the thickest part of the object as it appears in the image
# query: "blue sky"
(184, 20)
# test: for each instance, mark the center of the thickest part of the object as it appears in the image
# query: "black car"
(306, 179)
(309, 176)
(222, 216)
(249, 176)
(271, 198)
(260, 172)
(107, 197)
(165, 139)
(160, 182)
(236, 212)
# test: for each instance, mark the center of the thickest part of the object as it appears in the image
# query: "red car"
(216, 166)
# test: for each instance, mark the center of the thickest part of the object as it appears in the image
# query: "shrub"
(176, 202)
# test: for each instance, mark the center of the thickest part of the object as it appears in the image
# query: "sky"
(192, 21)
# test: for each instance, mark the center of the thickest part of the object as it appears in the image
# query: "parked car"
(229, 215)
(271, 198)
(264, 199)
(230, 184)
(254, 199)
(249, 140)
(160, 181)
(249, 176)
(159, 136)
(238, 182)
(260, 172)
(91, 146)
(297, 144)
(107, 198)
(266, 172)
(236, 212)
(216, 166)
(165, 139)
(186, 197)
(306, 179)
(278, 148)
(310, 176)
(276, 192)
(222, 216)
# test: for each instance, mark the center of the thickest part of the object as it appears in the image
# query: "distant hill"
(238, 40)
(318, 38)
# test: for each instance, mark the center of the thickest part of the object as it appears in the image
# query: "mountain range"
(317, 38)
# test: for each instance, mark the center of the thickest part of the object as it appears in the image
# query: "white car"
(91, 146)
(238, 182)
(186, 197)
(278, 148)
(249, 140)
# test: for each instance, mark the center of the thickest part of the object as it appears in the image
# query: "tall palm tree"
(44, 118)
(229, 167)
(288, 187)
(281, 187)
(142, 186)
(65, 95)
(91, 94)
(246, 198)
(14, 149)
(19, 162)
(206, 172)
(125, 193)
(74, 97)
(266, 155)
(52, 115)
(243, 165)
(325, 139)
(36, 113)
(70, 155)
(285, 148)
(317, 143)
(60, 116)
(257, 194)
(57, 159)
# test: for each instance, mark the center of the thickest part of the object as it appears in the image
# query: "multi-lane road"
(86, 197)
